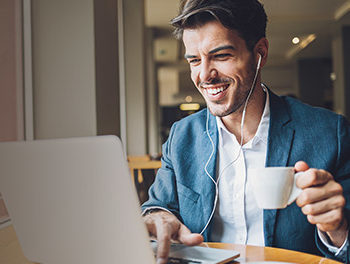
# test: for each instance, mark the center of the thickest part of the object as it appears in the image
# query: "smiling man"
(202, 192)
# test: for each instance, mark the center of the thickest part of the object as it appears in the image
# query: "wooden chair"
(10, 249)
(141, 165)
(139, 158)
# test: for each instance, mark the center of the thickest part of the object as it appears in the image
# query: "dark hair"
(248, 17)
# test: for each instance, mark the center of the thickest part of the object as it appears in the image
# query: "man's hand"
(322, 201)
(166, 227)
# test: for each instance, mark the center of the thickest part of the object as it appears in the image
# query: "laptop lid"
(72, 201)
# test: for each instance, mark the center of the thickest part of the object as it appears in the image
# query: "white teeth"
(215, 90)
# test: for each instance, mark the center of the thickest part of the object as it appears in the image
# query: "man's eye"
(222, 56)
(193, 61)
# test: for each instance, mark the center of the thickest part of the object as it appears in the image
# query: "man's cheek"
(194, 79)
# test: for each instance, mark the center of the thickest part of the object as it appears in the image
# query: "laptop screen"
(72, 201)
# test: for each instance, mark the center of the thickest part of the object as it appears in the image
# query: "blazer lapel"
(206, 183)
(280, 140)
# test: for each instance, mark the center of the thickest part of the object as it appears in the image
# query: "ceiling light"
(189, 107)
(333, 76)
(308, 40)
(295, 40)
(302, 45)
(188, 99)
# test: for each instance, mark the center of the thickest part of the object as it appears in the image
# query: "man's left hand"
(322, 201)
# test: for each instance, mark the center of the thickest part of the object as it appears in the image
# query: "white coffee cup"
(274, 187)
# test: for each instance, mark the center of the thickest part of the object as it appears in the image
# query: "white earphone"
(259, 61)
(240, 149)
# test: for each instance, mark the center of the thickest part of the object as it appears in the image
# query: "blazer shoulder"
(190, 132)
(308, 114)
(196, 121)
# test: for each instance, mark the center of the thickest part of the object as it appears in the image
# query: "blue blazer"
(297, 132)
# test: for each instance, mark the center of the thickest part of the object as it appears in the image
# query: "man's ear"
(262, 48)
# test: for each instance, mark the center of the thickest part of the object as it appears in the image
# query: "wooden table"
(11, 252)
(255, 253)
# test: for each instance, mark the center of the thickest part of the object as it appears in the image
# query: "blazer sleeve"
(163, 192)
(341, 175)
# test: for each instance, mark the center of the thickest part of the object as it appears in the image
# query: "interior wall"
(346, 58)
(107, 77)
(338, 69)
(281, 80)
(11, 83)
(63, 68)
(135, 77)
(314, 79)
(153, 109)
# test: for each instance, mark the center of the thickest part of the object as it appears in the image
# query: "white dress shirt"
(237, 218)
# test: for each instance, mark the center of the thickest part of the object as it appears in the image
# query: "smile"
(216, 90)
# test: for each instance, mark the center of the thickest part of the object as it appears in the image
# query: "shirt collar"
(261, 133)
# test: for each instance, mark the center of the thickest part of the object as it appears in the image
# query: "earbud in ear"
(259, 61)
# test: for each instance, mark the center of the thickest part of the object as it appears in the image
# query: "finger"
(313, 177)
(328, 221)
(164, 240)
(158, 218)
(301, 166)
(324, 206)
(316, 194)
(186, 237)
(149, 222)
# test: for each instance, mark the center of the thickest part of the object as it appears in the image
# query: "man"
(203, 185)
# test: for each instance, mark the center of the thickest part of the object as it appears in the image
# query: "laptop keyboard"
(182, 261)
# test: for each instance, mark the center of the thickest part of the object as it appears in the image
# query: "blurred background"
(93, 67)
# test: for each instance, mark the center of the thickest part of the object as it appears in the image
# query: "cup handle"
(295, 190)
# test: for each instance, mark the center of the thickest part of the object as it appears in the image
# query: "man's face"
(222, 68)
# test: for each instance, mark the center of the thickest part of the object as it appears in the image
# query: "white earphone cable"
(239, 152)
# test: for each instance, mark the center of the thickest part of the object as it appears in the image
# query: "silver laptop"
(73, 201)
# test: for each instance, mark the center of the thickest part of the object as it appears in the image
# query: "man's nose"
(207, 72)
